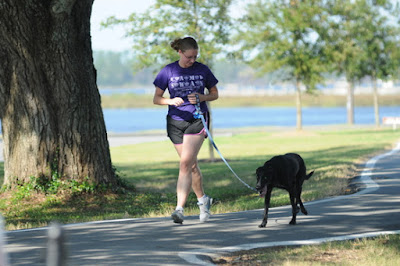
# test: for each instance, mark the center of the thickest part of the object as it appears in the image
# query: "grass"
(383, 250)
(245, 152)
(152, 169)
(145, 100)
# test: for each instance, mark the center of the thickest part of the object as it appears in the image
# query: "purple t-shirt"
(183, 81)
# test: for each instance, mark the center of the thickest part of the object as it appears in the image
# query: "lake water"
(140, 119)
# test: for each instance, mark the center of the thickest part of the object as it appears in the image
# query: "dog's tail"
(309, 175)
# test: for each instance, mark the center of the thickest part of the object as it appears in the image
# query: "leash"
(199, 114)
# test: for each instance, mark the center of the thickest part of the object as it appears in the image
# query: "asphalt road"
(374, 210)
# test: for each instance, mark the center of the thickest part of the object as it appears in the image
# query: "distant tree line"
(116, 70)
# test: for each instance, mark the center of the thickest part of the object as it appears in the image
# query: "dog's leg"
(266, 207)
(295, 209)
(303, 209)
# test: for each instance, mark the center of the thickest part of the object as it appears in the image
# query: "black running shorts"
(176, 128)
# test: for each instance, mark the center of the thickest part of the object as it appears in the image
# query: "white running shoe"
(205, 209)
(177, 216)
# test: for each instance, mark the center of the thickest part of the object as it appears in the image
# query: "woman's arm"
(161, 100)
(211, 96)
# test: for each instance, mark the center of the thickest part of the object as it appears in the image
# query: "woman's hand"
(192, 98)
(211, 96)
(160, 100)
(177, 101)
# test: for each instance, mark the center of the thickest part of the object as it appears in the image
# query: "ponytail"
(184, 44)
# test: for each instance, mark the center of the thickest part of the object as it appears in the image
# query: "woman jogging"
(184, 79)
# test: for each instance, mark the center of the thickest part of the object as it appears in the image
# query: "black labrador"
(283, 171)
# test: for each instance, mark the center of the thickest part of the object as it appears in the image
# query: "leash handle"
(198, 112)
(198, 101)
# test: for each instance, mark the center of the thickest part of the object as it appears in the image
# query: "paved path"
(157, 241)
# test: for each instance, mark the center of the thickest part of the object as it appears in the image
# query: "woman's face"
(188, 57)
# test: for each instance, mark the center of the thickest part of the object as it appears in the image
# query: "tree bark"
(50, 108)
(350, 103)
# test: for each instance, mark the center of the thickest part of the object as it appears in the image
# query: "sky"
(112, 39)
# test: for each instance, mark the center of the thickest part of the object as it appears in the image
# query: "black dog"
(283, 171)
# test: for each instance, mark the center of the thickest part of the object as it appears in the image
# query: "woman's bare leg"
(189, 172)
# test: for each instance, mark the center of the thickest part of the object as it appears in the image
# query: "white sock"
(202, 199)
(179, 208)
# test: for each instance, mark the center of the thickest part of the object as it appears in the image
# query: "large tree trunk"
(51, 114)
(350, 103)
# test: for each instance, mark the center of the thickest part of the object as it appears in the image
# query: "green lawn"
(333, 154)
(336, 155)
